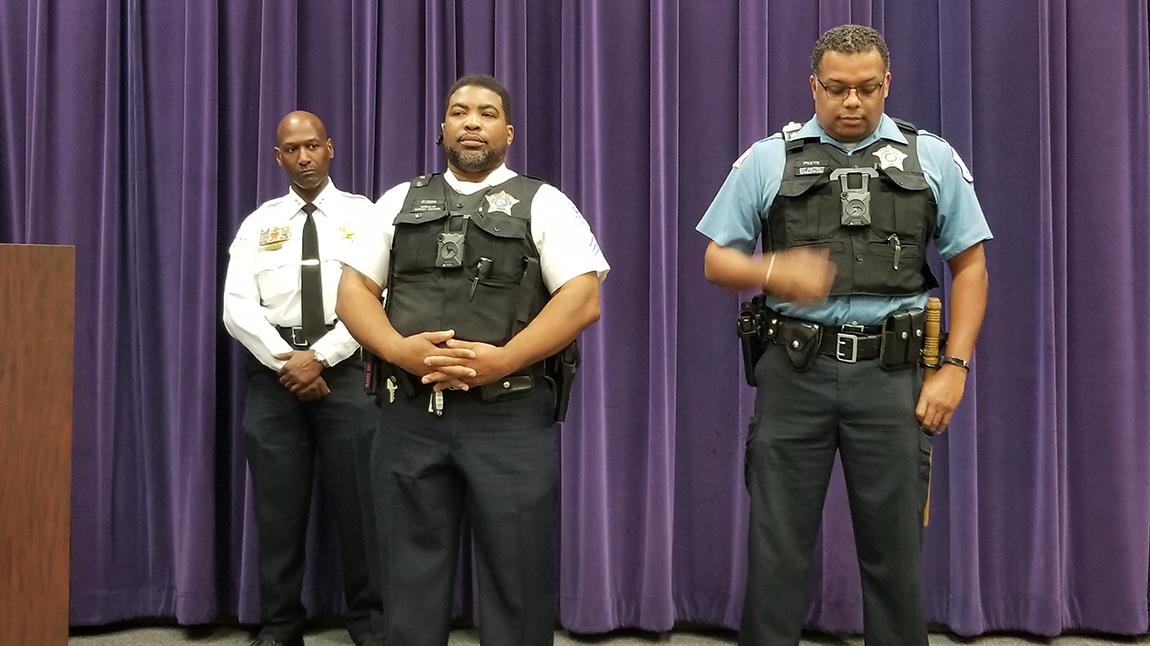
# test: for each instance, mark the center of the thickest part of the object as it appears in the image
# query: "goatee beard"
(474, 161)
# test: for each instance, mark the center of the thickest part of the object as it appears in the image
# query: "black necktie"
(311, 281)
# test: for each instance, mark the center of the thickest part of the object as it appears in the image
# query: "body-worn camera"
(855, 183)
(449, 251)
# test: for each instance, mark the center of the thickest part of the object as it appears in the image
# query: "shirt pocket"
(277, 275)
(333, 254)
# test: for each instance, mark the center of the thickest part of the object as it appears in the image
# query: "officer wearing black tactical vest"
(876, 232)
(466, 262)
(490, 276)
(846, 205)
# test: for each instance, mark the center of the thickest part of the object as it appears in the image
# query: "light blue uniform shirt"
(735, 217)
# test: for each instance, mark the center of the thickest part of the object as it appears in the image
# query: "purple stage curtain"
(141, 132)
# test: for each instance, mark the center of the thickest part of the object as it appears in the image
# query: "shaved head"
(294, 119)
(304, 151)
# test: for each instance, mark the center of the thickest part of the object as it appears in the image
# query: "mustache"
(460, 139)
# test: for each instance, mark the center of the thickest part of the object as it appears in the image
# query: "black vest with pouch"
(465, 262)
(888, 255)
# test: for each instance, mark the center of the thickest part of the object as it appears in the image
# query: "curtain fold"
(141, 132)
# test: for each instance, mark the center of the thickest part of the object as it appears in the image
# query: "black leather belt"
(294, 335)
(851, 343)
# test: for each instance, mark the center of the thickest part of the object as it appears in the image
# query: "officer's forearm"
(572, 308)
(967, 301)
(358, 306)
(732, 269)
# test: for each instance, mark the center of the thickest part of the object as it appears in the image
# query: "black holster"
(902, 334)
(560, 369)
(750, 337)
(800, 341)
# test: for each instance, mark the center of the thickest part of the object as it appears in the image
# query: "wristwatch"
(955, 361)
(321, 359)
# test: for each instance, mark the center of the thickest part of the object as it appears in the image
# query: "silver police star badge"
(890, 156)
(501, 202)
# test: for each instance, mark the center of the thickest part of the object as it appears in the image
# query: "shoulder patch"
(962, 167)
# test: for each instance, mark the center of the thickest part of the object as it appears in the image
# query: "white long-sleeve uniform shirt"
(262, 288)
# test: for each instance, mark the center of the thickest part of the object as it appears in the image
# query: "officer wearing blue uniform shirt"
(846, 205)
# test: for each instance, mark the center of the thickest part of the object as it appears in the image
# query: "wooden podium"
(37, 320)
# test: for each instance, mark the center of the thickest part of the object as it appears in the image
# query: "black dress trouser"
(283, 438)
(866, 415)
(496, 462)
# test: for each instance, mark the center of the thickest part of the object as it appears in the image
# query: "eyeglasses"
(840, 92)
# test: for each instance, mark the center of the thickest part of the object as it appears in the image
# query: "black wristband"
(955, 361)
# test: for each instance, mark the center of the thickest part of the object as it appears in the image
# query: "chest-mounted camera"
(855, 195)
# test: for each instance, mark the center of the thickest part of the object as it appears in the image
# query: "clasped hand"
(300, 374)
(449, 363)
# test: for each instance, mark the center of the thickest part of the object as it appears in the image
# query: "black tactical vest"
(465, 262)
(885, 256)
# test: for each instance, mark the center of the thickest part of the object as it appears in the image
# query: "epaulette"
(272, 203)
(905, 126)
(537, 179)
(355, 196)
(422, 180)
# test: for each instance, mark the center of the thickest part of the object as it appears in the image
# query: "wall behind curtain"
(141, 132)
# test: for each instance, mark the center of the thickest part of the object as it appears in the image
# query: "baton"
(930, 361)
(932, 334)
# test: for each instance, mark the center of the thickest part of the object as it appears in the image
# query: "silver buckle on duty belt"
(849, 341)
(297, 337)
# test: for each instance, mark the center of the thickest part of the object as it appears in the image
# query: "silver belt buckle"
(297, 337)
(847, 345)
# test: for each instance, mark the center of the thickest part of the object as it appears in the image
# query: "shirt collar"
(497, 176)
(887, 129)
(328, 192)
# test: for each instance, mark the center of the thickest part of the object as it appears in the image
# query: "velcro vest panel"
(488, 289)
(903, 211)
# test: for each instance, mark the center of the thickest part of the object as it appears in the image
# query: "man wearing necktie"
(305, 398)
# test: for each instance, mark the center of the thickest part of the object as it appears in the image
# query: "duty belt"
(897, 343)
(851, 343)
(846, 343)
(294, 335)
